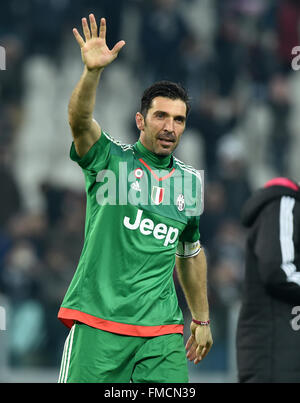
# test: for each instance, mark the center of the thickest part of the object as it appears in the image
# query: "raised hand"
(94, 50)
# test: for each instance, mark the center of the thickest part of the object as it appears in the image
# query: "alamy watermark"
(2, 58)
(2, 318)
(295, 322)
(184, 189)
(296, 59)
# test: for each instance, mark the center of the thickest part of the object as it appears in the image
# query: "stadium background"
(234, 57)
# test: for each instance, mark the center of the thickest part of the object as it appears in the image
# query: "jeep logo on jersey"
(146, 227)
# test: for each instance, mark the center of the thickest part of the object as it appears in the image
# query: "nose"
(169, 125)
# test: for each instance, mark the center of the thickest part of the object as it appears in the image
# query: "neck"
(156, 160)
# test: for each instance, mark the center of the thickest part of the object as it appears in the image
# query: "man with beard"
(121, 306)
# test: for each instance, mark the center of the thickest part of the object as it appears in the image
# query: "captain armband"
(188, 249)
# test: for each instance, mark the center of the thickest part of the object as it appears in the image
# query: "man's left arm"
(192, 275)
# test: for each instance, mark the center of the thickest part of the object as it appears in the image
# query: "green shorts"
(93, 355)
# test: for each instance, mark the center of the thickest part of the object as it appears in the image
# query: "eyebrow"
(183, 118)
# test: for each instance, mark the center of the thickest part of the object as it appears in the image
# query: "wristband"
(200, 322)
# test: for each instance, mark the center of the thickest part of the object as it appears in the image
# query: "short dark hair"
(167, 89)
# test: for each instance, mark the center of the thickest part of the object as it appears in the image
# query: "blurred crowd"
(233, 56)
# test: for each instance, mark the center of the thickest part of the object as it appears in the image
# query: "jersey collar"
(153, 159)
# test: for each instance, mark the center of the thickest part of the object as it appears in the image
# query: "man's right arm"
(96, 56)
(85, 130)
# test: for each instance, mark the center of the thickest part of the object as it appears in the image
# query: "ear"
(139, 120)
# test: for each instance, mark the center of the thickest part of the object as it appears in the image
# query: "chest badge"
(180, 202)
(157, 194)
(138, 173)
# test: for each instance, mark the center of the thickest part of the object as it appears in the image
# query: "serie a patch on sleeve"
(188, 249)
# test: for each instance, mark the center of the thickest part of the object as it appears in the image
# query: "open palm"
(94, 50)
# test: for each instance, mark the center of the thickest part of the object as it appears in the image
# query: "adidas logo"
(136, 186)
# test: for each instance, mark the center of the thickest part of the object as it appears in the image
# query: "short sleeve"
(191, 232)
(96, 158)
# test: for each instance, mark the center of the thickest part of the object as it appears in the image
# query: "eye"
(180, 119)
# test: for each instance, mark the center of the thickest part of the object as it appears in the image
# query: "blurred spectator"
(230, 56)
(232, 173)
(10, 195)
(196, 67)
(11, 79)
(14, 19)
(225, 282)
(20, 273)
(213, 117)
(57, 274)
(162, 32)
(28, 226)
(20, 280)
(215, 204)
(262, 63)
(288, 18)
(44, 37)
(279, 138)
(227, 251)
(67, 225)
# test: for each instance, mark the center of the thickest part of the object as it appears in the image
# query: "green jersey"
(141, 210)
